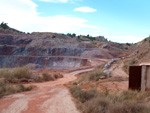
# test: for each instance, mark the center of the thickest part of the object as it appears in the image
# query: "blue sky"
(118, 20)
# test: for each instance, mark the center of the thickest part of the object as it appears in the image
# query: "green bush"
(4, 25)
(145, 39)
(128, 44)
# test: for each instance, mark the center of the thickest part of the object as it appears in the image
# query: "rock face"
(43, 62)
(46, 50)
(33, 51)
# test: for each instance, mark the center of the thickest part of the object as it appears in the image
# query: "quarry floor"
(53, 96)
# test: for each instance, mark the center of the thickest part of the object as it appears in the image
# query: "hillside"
(143, 48)
(54, 50)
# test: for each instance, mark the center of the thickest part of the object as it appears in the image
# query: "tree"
(78, 37)
(88, 36)
(53, 36)
(128, 44)
(74, 35)
(145, 39)
(4, 25)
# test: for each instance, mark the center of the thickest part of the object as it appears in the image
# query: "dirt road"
(48, 97)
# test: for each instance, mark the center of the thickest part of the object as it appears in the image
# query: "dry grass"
(50, 77)
(129, 108)
(101, 102)
(94, 75)
(82, 95)
(15, 75)
(9, 76)
(47, 77)
(7, 88)
(22, 72)
(10, 79)
(96, 105)
(18, 73)
(128, 63)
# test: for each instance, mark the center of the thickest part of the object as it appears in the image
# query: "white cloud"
(55, 1)
(124, 39)
(9, 7)
(85, 9)
(22, 15)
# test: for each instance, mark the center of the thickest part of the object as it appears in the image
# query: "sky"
(117, 20)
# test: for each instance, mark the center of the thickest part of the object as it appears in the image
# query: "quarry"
(44, 72)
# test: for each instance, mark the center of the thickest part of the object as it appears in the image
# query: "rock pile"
(108, 65)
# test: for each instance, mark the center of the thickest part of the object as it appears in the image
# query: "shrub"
(5, 73)
(53, 36)
(96, 105)
(95, 75)
(22, 72)
(7, 88)
(133, 96)
(83, 96)
(128, 44)
(92, 76)
(128, 95)
(125, 102)
(129, 108)
(75, 91)
(87, 95)
(56, 76)
(4, 25)
(126, 48)
(19, 72)
(78, 37)
(47, 77)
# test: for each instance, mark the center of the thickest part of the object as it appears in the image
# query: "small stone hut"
(139, 77)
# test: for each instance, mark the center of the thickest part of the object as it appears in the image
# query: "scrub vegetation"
(92, 101)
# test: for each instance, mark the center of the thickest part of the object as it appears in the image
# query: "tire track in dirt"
(54, 105)
(18, 106)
